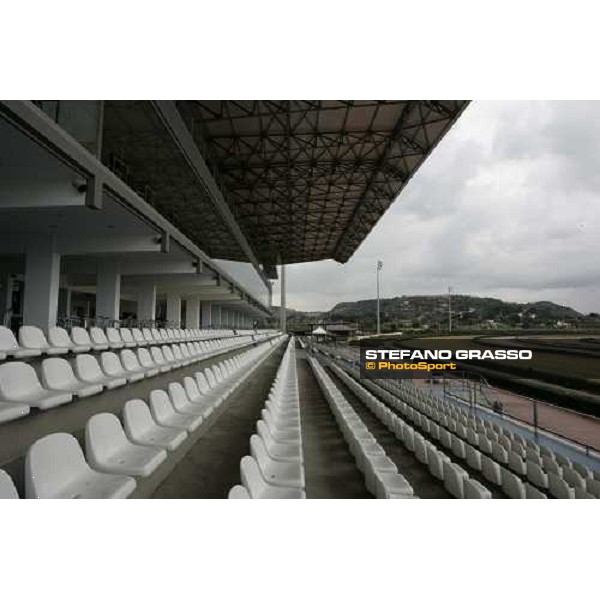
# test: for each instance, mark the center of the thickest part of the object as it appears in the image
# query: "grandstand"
(138, 244)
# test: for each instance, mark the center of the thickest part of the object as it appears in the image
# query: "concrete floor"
(330, 469)
(212, 466)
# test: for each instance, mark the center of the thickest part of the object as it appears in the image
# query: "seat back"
(168, 353)
(57, 372)
(32, 337)
(111, 364)
(98, 336)
(87, 368)
(8, 491)
(251, 478)
(144, 358)
(128, 335)
(8, 341)
(52, 463)
(133, 335)
(57, 336)
(147, 334)
(259, 451)
(130, 360)
(202, 383)
(17, 379)
(212, 382)
(157, 355)
(137, 418)
(238, 492)
(160, 405)
(178, 395)
(80, 336)
(104, 437)
(191, 388)
(113, 335)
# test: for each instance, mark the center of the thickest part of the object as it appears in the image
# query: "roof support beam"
(169, 114)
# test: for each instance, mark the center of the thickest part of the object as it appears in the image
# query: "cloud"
(507, 206)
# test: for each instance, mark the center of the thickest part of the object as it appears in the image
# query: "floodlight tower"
(449, 309)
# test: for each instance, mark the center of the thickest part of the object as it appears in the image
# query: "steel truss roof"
(305, 180)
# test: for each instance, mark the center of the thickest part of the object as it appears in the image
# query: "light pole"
(449, 309)
(379, 267)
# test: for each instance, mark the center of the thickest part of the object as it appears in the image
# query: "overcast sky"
(506, 206)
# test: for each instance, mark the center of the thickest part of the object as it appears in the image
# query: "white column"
(192, 313)
(206, 314)
(174, 310)
(146, 302)
(42, 282)
(108, 289)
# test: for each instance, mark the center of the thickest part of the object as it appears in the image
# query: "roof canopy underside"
(305, 180)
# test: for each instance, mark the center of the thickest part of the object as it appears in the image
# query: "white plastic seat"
(159, 359)
(56, 468)
(145, 360)
(559, 488)
(537, 475)
(129, 338)
(512, 485)
(115, 341)
(33, 338)
(8, 491)
(476, 491)
(112, 367)
(454, 479)
(274, 472)
(108, 449)
(57, 374)
(99, 339)
(148, 337)
(10, 347)
(258, 488)
(182, 404)
(196, 397)
(81, 338)
(491, 470)
(138, 337)
(142, 429)
(238, 492)
(164, 413)
(277, 450)
(87, 369)
(171, 358)
(19, 383)
(532, 493)
(131, 364)
(9, 411)
(59, 338)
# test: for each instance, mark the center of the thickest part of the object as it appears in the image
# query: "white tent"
(319, 331)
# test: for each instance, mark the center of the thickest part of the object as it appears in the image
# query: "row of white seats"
(456, 480)
(382, 478)
(20, 387)
(275, 466)
(527, 468)
(33, 342)
(422, 425)
(117, 453)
